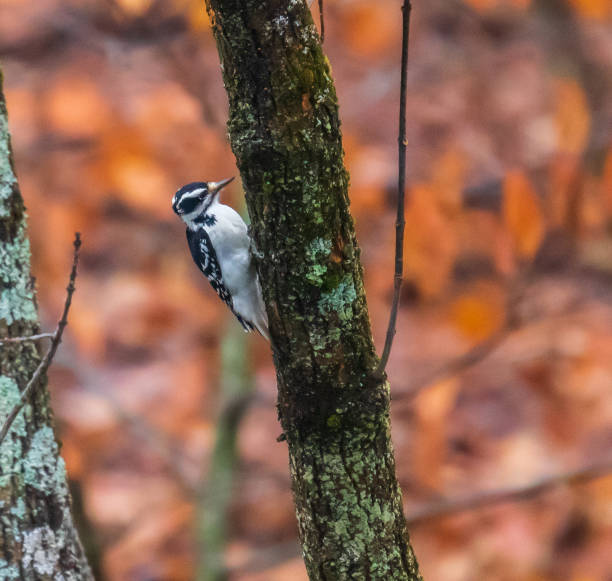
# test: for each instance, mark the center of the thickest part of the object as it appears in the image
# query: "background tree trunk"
(333, 406)
(38, 539)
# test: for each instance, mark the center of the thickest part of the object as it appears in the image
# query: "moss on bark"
(38, 539)
(334, 408)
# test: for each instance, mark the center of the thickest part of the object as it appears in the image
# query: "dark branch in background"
(275, 555)
(401, 187)
(513, 321)
(480, 351)
(94, 380)
(322, 21)
(57, 339)
(471, 357)
(452, 506)
(215, 497)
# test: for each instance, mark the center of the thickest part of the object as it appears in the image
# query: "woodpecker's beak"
(215, 187)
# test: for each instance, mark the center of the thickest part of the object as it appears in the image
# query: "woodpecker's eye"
(189, 197)
(188, 205)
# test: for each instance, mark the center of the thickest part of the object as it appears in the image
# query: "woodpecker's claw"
(253, 249)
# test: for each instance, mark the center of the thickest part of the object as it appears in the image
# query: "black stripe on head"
(189, 197)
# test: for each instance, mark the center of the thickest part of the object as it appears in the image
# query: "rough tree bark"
(333, 406)
(38, 539)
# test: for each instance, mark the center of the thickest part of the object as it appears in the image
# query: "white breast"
(230, 238)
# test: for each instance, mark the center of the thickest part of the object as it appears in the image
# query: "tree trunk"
(333, 405)
(38, 539)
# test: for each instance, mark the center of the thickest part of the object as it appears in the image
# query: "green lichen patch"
(334, 421)
(339, 300)
(9, 396)
(19, 509)
(7, 175)
(17, 297)
(10, 451)
(9, 572)
(43, 468)
(317, 254)
(41, 551)
(362, 525)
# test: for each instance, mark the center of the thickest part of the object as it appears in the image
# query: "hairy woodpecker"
(221, 247)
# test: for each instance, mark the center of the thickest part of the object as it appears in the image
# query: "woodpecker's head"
(195, 198)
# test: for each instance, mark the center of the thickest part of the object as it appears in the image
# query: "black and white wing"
(204, 255)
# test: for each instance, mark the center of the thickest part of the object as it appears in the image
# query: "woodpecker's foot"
(253, 250)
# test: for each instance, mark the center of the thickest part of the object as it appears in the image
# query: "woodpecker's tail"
(258, 319)
(261, 317)
(261, 324)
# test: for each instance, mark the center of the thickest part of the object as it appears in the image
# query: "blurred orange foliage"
(370, 28)
(487, 5)
(572, 117)
(522, 214)
(430, 246)
(607, 182)
(432, 407)
(480, 312)
(597, 9)
(74, 106)
(134, 7)
(114, 105)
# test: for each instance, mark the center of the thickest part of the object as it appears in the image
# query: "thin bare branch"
(57, 339)
(452, 506)
(26, 339)
(401, 187)
(322, 21)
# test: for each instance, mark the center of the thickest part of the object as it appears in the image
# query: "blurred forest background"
(501, 372)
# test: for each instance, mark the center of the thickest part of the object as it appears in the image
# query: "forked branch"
(48, 358)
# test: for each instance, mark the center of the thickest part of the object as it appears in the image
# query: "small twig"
(401, 186)
(28, 338)
(322, 21)
(448, 507)
(57, 339)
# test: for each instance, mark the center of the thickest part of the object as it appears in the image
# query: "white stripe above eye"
(193, 194)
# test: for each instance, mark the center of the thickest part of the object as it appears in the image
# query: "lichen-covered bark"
(333, 406)
(38, 540)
